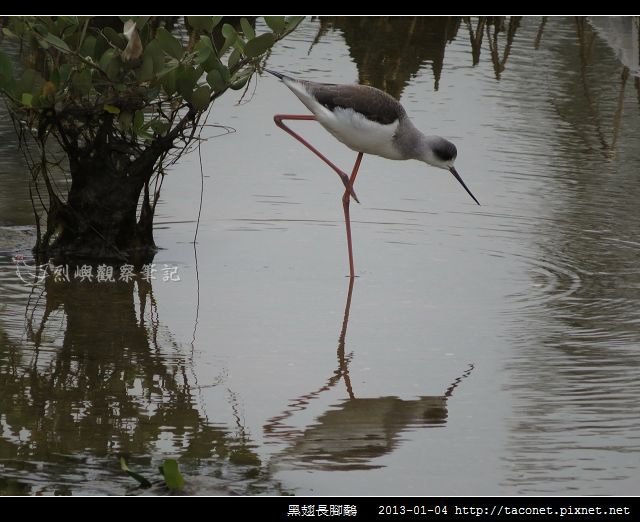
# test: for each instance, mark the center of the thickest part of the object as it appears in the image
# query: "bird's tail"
(276, 74)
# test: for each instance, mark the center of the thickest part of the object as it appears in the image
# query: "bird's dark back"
(374, 104)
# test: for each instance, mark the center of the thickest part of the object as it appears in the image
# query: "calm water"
(482, 350)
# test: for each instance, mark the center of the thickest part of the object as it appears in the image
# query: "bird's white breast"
(359, 133)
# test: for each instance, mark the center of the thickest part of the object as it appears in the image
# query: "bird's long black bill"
(457, 176)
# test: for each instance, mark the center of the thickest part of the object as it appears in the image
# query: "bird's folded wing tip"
(276, 74)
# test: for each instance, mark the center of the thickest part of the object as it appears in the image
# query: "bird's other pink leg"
(345, 206)
(307, 117)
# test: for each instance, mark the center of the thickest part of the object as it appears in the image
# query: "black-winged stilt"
(368, 121)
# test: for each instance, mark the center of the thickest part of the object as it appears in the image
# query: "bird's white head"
(442, 153)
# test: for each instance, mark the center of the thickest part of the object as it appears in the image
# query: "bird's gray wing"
(372, 103)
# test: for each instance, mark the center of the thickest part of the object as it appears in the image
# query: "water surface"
(481, 350)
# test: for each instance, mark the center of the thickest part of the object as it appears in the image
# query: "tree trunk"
(104, 217)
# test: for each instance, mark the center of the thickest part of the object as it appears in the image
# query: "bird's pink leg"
(345, 205)
(278, 120)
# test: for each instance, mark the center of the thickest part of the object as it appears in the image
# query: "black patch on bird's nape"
(445, 150)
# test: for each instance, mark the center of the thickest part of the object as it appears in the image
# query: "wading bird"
(368, 121)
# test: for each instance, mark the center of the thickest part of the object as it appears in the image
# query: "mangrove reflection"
(356, 430)
(117, 383)
(13, 177)
(574, 370)
(494, 26)
(402, 46)
(96, 373)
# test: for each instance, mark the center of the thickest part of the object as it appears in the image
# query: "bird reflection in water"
(356, 430)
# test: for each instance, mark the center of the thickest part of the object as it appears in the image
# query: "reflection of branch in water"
(238, 419)
(536, 42)
(242, 448)
(617, 117)
(475, 37)
(112, 382)
(323, 27)
(586, 47)
(145, 290)
(499, 65)
(275, 424)
(105, 371)
(586, 38)
(29, 314)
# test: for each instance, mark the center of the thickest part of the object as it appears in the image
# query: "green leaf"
(213, 62)
(141, 21)
(8, 33)
(111, 109)
(88, 47)
(247, 30)
(201, 23)
(228, 31)
(102, 44)
(168, 81)
(214, 78)
(65, 24)
(240, 80)
(55, 77)
(125, 120)
(108, 56)
(145, 72)
(275, 23)
(152, 92)
(239, 44)
(204, 49)
(259, 45)
(154, 51)
(81, 82)
(234, 58)
(40, 28)
(292, 23)
(144, 134)
(19, 27)
(200, 98)
(56, 42)
(27, 99)
(186, 81)
(7, 80)
(65, 72)
(113, 69)
(216, 20)
(224, 71)
(31, 81)
(228, 42)
(159, 127)
(116, 38)
(144, 483)
(172, 476)
(169, 43)
(138, 120)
